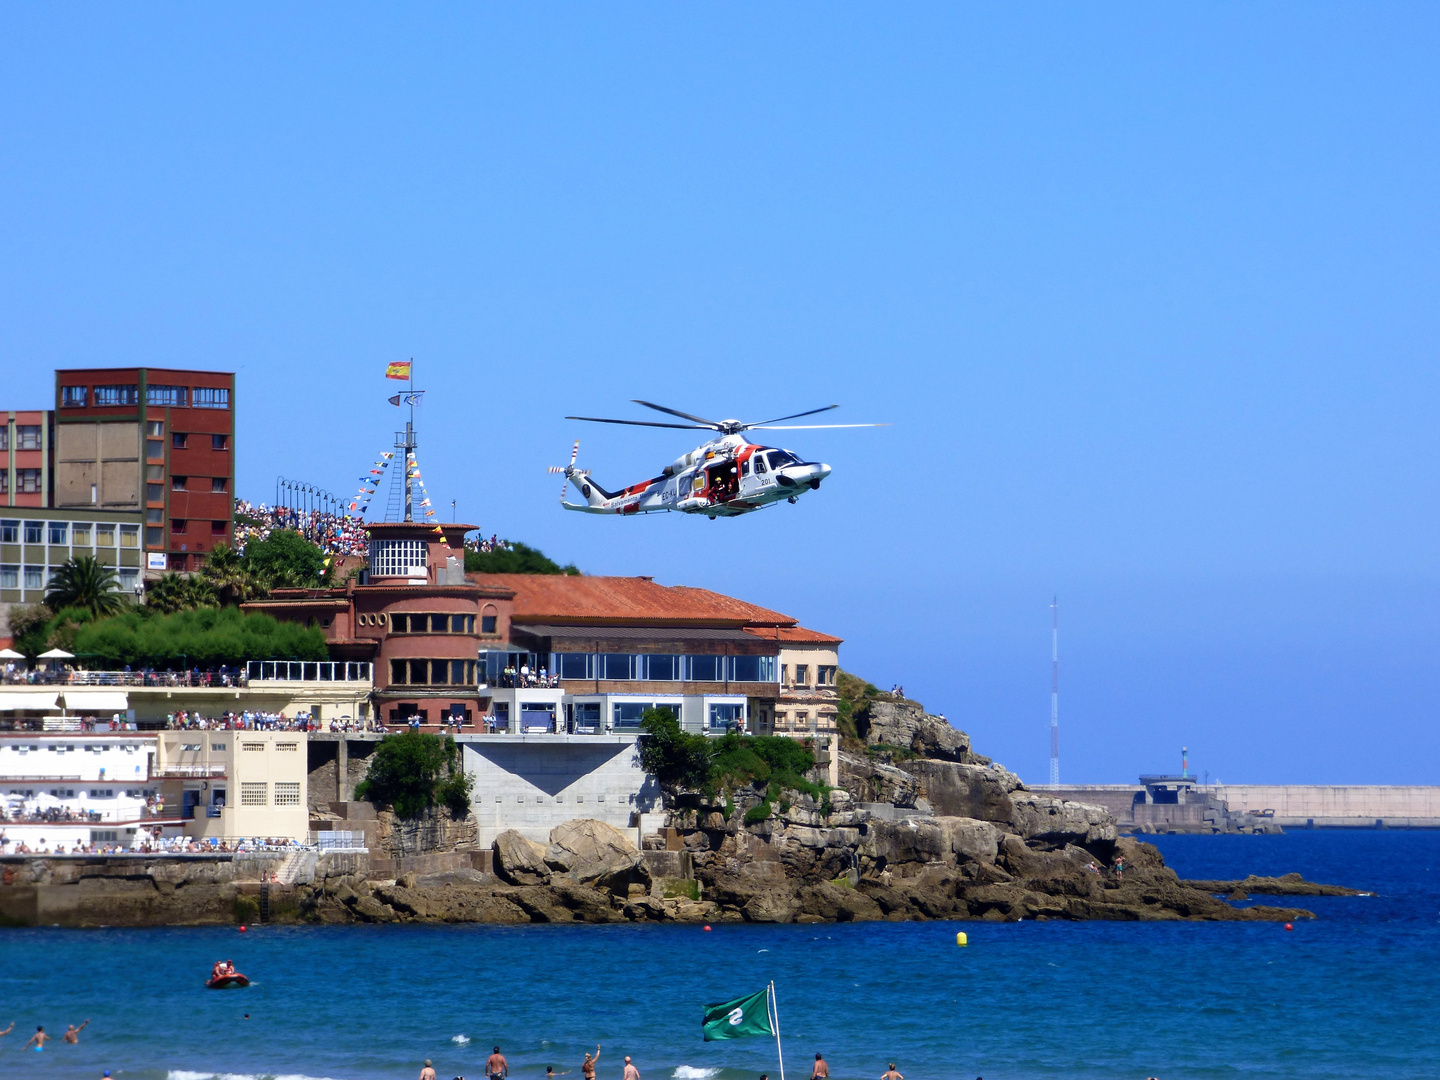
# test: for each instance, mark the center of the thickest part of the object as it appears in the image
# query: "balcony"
(190, 772)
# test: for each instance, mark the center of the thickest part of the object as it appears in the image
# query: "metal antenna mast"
(405, 443)
(1054, 692)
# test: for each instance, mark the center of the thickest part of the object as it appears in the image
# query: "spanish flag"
(399, 371)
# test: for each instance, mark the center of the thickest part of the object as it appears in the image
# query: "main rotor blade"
(793, 416)
(676, 412)
(805, 427)
(641, 423)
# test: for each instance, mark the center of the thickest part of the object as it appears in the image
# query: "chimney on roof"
(646, 577)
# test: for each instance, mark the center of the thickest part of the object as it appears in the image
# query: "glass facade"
(662, 667)
(397, 558)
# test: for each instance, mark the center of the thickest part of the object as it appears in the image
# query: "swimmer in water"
(8, 1030)
(38, 1040)
(72, 1033)
(587, 1067)
(427, 1073)
(891, 1074)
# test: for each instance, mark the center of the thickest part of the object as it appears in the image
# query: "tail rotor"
(568, 470)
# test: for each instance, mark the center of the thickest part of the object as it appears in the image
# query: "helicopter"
(726, 477)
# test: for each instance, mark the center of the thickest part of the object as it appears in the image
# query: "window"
(287, 793)
(802, 674)
(706, 668)
(488, 624)
(760, 469)
(457, 624)
(419, 672)
(73, 397)
(574, 665)
(177, 525)
(254, 747)
(34, 532)
(27, 437)
(662, 668)
(4, 480)
(397, 671)
(616, 666)
(154, 493)
(154, 450)
(217, 528)
(9, 532)
(105, 535)
(290, 746)
(190, 748)
(218, 442)
(177, 440)
(210, 397)
(59, 532)
(155, 429)
(802, 720)
(217, 485)
(397, 558)
(626, 715)
(825, 676)
(177, 483)
(129, 578)
(784, 673)
(80, 534)
(780, 458)
(4, 436)
(457, 673)
(9, 577)
(252, 794)
(165, 395)
(27, 481)
(726, 717)
(117, 395)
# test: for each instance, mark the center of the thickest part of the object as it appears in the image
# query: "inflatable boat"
(225, 982)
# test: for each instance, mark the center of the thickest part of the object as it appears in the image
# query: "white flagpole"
(775, 1018)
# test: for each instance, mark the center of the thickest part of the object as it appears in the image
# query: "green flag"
(743, 1016)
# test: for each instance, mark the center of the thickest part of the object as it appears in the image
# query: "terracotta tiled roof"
(796, 634)
(561, 598)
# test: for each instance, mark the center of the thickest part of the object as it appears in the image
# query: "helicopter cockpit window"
(745, 467)
(760, 469)
(780, 458)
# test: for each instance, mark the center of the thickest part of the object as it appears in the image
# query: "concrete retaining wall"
(1396, 806)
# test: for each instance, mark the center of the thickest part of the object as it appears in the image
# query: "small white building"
(60, 791)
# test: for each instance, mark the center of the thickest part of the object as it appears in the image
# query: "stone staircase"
(298, 866)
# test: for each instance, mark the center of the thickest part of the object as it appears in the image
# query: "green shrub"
(674, 756)
(205, 637)
(517, 559)
(414, 772)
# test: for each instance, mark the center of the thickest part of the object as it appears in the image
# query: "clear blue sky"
(1147, 291)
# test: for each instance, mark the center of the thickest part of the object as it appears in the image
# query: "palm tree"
(226, 572)
(178, 592)
(84, 582)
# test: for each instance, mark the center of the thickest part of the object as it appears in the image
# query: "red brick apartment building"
(157, 440)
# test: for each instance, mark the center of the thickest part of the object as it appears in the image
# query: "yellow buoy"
(961, 939)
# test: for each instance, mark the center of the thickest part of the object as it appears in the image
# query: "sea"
(1352, 993)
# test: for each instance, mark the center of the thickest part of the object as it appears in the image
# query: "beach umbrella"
(11, 654)
(57, 654)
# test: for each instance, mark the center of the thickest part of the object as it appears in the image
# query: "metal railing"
(224, 678)
(308, 671)
(190, 772)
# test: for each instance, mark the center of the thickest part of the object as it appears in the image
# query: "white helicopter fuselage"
(725, 477)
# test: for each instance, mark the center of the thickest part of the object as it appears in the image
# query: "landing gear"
(712, 517)
(793, 499)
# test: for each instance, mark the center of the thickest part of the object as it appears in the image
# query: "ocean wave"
(690, 1072)
(461, 1040)
(191, 1074)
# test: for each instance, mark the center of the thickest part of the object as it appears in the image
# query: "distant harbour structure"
(1054, 692)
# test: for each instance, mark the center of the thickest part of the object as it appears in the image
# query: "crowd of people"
(63, 675)
(525, 676)
(149, 843)
(481, 544)
(336, 534)
(249, 720)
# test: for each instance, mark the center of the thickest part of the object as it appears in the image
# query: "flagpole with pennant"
(754, 1014)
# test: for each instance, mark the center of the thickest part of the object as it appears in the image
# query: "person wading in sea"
(72, 1033)
(496, 1067)
(427, 1073)
(891, 1074)
(39, 1039)
(821, 1071)
(587, 1067)
(631, 1072)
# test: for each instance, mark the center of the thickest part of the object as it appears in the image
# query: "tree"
(286, 560)
(676, 757)
(228, 573)
(518, 559)
(207, 637)
(85, 582)
(413, 772)
(178, 592)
